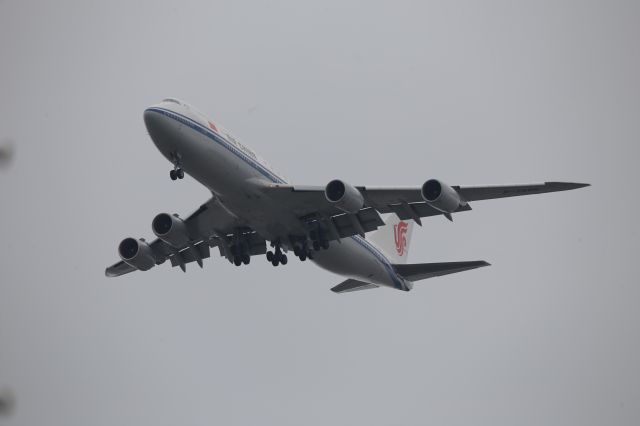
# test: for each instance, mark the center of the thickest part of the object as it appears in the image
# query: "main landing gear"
(303, 249)
(240, 250)
(177, 172)
(277, 257)
(306, 249)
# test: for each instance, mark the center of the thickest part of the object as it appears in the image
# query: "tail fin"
(393, 238)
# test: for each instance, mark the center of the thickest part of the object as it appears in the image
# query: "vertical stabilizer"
(393, 238)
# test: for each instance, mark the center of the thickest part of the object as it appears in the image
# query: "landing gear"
(241, 259)
(303, 248)
(177, 172)
(319, 240)
(277, 257)
(239, 252)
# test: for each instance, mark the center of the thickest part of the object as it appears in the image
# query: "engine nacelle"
(171, 229)
(441, 196)
(344, 196)
(136, 253)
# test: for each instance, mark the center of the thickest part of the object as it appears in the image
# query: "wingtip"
(577, 185)
(566, 186)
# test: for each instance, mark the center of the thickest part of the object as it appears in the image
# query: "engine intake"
(171, 229)
(344, 196)
(441, 196)
(136, 253)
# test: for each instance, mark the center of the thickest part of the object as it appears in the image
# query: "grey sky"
(371, 92)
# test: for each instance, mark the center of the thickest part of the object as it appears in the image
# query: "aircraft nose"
(161, 130)
(152, 120)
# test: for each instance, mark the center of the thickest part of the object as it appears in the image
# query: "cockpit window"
(175, 101)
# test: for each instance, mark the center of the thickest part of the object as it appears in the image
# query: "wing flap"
(191, 254)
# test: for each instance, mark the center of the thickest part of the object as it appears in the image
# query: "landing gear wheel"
(274, 262)
(310, 256)
(270, 256)
(237, 261)
(316, 245)
(325, 244)
(173, 175)
(283, 259)
(246, 259)
(302, 257)
(180, 173)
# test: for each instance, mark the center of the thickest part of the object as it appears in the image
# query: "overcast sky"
(376, 93)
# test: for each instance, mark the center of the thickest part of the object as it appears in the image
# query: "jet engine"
(441, 196)
(136, 253)
(170, 229)
(344, 196)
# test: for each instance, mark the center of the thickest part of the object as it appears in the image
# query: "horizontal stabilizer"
(422, 271)
(352, 285)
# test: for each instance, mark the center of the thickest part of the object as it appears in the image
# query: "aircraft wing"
(310, 204)
(209, 226)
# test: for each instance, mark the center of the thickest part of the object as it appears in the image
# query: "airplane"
(337, 226)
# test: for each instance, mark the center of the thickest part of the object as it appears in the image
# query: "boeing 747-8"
(254, 211)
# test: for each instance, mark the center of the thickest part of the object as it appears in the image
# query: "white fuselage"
(234, 174)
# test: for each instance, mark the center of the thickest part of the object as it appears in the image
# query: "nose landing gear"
(177, 172)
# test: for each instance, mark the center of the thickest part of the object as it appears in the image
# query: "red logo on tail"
(400, 236)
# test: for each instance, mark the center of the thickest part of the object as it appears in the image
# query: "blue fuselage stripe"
(272, 177)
